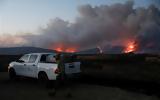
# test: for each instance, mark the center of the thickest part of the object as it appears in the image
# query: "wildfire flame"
(62, 48)
(69, 50)
(72, 50)
(59, 49)
(131, 47)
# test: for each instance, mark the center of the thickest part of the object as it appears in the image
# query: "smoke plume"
(7, 40)
(105, 26)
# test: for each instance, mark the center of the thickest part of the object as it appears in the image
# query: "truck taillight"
(57, 71)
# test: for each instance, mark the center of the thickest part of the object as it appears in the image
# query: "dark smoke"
(96, 26)
(104, 25)
(149, 33)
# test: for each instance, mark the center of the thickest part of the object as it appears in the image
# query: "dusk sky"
(26, 16)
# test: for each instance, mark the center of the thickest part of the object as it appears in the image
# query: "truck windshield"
(32, 58)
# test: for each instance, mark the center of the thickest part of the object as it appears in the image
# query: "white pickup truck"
(42, 66)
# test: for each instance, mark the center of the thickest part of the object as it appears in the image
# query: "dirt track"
(30, 89)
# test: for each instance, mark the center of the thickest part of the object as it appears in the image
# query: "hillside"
(22, 50)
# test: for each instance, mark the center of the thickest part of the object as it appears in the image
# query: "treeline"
(5, 60)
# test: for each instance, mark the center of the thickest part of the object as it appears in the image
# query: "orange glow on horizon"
(71, 50)
(61, 48)
(131, 47)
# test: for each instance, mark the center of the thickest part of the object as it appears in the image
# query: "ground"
(29, 89)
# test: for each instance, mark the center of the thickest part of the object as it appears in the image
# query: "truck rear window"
(48, 58)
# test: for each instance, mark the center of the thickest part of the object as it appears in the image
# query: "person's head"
(57, 56)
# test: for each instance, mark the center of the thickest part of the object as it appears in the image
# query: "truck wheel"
(12, 74)
(42, 76)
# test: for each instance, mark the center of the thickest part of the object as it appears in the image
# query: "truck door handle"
(33, 65)
(24, 64)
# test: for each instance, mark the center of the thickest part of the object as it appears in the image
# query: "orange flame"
(69, 50)
(62, 48)
(59, 49)
(131, 47)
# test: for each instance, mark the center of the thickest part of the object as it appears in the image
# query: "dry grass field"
(30, 89)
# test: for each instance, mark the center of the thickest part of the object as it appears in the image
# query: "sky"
(27, 16)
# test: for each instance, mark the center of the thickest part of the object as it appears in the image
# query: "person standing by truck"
(64, 78)
(56, 82)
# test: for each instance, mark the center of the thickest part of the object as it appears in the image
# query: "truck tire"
(12, 74)
(42, 76)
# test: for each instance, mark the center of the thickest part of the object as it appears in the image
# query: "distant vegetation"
(5, 60)
(139, 67)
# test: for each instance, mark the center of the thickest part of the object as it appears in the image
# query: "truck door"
(31, 66)
(20, 70)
